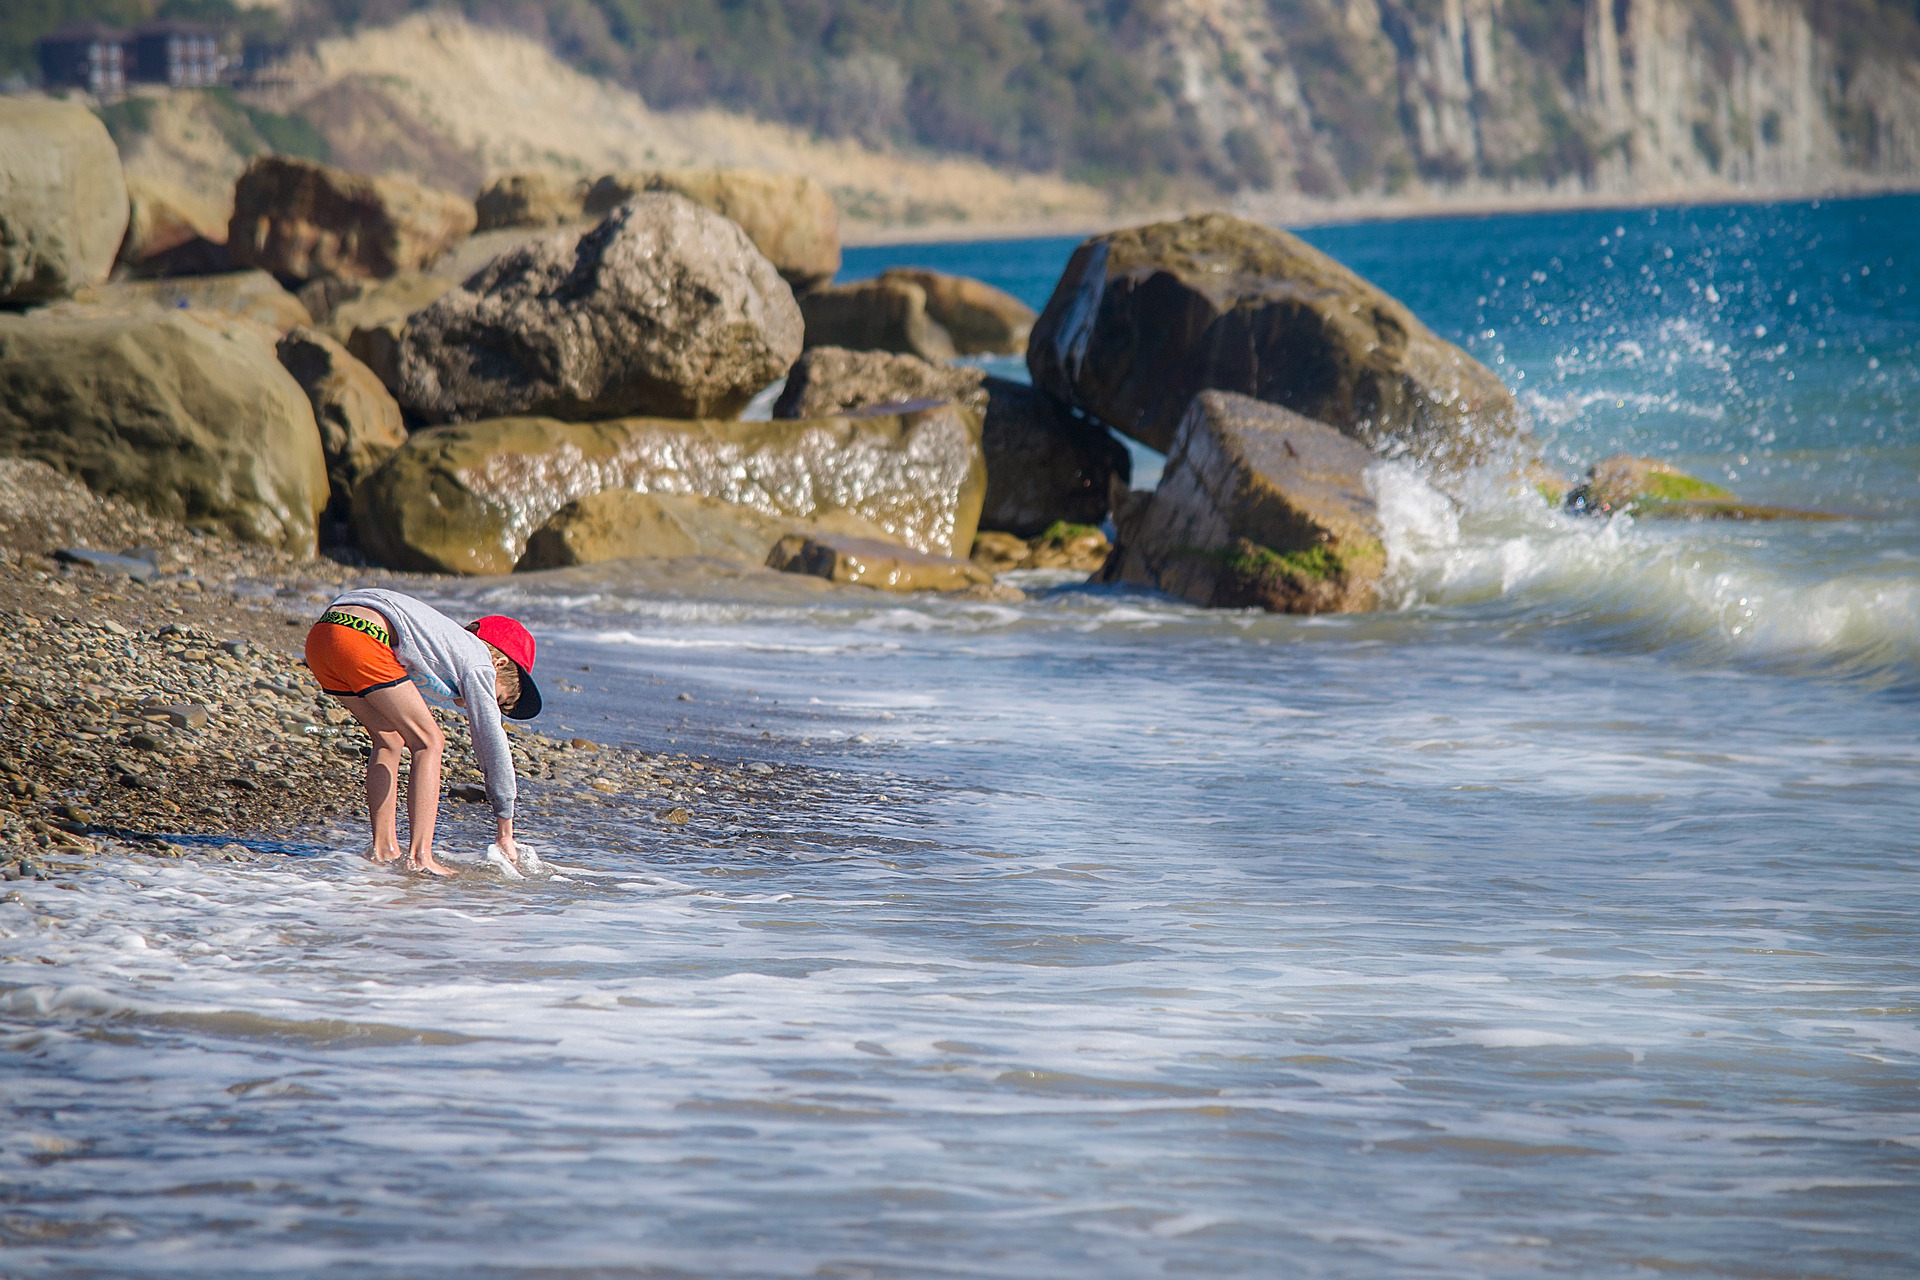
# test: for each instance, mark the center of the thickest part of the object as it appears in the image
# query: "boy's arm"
(494, 752)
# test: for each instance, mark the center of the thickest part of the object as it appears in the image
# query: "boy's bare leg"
(401, 710)
(383, 779)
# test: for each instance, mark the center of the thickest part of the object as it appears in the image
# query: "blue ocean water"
(1558, 920)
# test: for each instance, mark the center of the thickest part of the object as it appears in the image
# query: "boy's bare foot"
(431, 866)
(392, 855)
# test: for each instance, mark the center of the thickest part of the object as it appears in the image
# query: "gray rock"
(790, 217)
(1259, 507)
(665, 308)
(139, 568)
(63, 200)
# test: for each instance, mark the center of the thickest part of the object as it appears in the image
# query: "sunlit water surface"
(1560, 920)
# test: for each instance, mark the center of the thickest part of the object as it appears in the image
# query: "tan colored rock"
(790, 217)
(868, 562)
(876, 315)
(186, 415)
(1079, 547)
(254, 295)
(619, 524)
(1259, 507)
(1145, 318)
(981, 319)
(465, 499)
(360, 424)
(998, 552)
(665, 308)
(63, 200)
(300, 220)
(530, 200)
(172, 231)
(394, 298)
(1650, 488)
(831, 380)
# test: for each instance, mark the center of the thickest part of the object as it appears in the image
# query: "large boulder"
(172, 231)
(620, 524)
(789, 217)
(530, 200)
(1044, 465)
(981, 319)
(63, 200)
(1144, 318)
(1259, 507)
(187, 415)
(665, 308)
(831, 380)
(301, 220)
(871, 562)
(465, 499)
(360, 424)
(876, 315)
(253, 294)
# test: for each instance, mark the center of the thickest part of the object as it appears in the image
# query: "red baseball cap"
(514, 640)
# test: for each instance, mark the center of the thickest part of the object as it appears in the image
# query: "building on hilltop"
(104, 61)
(85, 55)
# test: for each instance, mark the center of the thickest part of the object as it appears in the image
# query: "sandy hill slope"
(440, 100)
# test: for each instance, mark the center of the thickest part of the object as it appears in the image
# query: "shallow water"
(1559, 921)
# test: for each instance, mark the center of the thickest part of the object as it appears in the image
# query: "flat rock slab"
(1259, 507)
(139, 568)
(868, 562)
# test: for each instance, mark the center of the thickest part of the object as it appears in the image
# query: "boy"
(369, 649)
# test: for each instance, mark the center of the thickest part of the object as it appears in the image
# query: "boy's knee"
(432, 742)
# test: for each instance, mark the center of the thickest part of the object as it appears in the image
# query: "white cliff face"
(1615, 96)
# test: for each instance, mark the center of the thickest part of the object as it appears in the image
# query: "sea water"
(1559, 919)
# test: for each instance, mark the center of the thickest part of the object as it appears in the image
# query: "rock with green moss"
(1653, 489)
(465, 499)
(1259, 507)
(187, 415)
(1145, 318)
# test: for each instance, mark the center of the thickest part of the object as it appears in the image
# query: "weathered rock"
(664, 308)
(1044, 465)
(378, 347)
(997, 552)
(619, 524)
(360, 424)
(189, 416)
(63, 200)
(394, 298)
(530, 200)
(981, 319)
(876, 315)
(1651, 488)
(1262, 507)
(254, 295)
(465, 499)
(831, 380)
(868, 562)
(173, 232)
(1080, 547)
(300, 219)
(789, 217)
(1143, 319)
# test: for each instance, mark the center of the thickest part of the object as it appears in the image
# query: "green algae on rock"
(1659, 490)
(466, 499)
(189, 416)
(1144, 318)
(1260, 507)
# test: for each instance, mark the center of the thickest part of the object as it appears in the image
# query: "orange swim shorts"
(350, 663)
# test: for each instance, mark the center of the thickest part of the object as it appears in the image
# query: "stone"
(869, 562)
(619, 524)
(63, 200)
(1044, 465)
(997, 552)
(665, 308)
(301, 219)
(1079, 547)
(677, 816)
(530, 200)
(1259, 507)
(981, 319)
(1650, 488)
(790, 217)
(876, 315)
(831, 380)
(393, 299)
(254, 295)
(187, 415)
(464, 499)
(172, 231)
(177, 715)
(378, 347)
(1145, 318)
(139, 568)
(360, 424)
